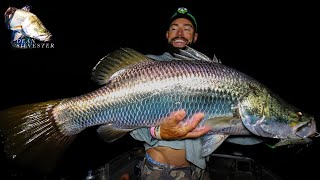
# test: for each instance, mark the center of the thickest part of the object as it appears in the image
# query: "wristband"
(157, 132)
(152, 132)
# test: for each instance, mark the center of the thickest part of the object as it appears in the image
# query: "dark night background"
(276, 43)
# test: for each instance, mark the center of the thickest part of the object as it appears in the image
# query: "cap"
(183, 12)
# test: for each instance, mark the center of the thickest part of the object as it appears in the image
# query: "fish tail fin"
(31, 137)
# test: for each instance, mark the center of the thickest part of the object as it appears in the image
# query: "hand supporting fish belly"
(174, 127)
(138, 92)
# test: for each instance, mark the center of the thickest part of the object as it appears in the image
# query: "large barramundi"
(139, 92)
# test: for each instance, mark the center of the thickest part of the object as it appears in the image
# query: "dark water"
(272, 42)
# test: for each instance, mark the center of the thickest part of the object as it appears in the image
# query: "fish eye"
(299, 114)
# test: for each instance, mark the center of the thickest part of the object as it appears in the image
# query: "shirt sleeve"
(143, 134)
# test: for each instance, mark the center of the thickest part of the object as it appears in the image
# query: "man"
(173, 148)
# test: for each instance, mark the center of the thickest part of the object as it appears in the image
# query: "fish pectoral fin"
(284, 142)
(109, 133)
(227, 125)
(16, 28)
(211, 143)
(16, 36)
(222, 122)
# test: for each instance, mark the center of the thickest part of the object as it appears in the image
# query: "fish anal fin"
(110, 133)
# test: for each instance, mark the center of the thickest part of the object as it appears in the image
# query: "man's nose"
(180, 31)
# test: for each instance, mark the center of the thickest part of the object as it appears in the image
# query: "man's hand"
(173, 127)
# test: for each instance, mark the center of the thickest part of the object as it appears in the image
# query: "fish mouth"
(313, 131)
(45, 37)
(307, 129)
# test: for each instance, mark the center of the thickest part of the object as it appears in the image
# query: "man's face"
(181, 33)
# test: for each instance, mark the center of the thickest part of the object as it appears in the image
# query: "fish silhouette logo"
(27, 29)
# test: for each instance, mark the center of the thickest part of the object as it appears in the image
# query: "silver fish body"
(144, 94)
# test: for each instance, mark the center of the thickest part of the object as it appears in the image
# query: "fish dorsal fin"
(26, 8)
(115, 63)
(215, 59)
(192, 54)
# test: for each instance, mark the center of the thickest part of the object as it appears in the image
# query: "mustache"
(179, 37)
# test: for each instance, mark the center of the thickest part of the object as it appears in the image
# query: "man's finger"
(198, 132)
(178, 116)
(193, 122)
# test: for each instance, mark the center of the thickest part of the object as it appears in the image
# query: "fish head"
(266, 114)
(33, 27)
(295, 122)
